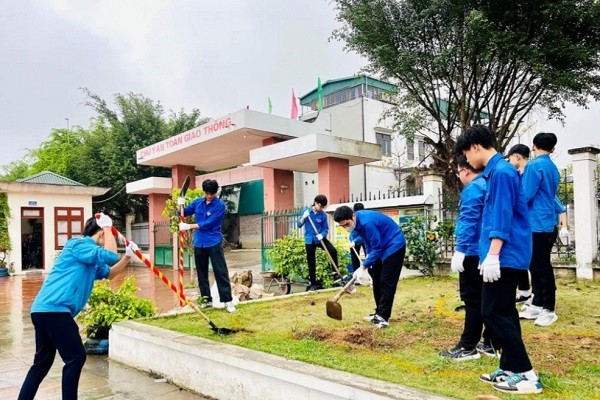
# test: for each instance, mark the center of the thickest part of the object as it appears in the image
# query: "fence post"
(433, 186)
(586, 209)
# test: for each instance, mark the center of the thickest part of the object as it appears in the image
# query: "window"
(385, 141)
(410, 149)
(421, 145)
(68, 223)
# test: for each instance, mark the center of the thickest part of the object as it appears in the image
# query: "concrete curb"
(224, 371)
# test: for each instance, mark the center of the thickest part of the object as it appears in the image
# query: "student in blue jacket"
(387, 246)
(209, 212)
(465, 262)
(63, 295)
(356, 241)
(540, 185)
(505, 251)
(313, 239)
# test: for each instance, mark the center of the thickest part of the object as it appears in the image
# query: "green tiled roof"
(49, 178)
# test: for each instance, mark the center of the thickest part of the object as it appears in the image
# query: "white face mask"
(350, 227)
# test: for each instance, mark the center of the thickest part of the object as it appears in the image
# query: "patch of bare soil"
(357, 336)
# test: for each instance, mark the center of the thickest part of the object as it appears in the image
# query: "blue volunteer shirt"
(209, 218)
(69, 284)
(468, 224)
(382, 236)
(319, 218)
(540, 185)
(505, 215)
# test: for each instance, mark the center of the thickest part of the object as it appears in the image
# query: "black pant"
(524, 280)
(500, 315)
(542, 273)
(354, 257)
(311, 258)
(385, 275)
(217, 259)
(55, 331)
(470, 283)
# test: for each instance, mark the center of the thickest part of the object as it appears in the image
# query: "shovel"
(333, 308)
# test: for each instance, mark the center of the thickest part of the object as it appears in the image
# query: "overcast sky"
(217, 56)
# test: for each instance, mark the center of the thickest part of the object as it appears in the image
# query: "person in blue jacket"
(209, 212)
(314, 238)
(505, 251)
(356, 241)
(63, 295)
(465, 262)
(540, 185)
(386, 246)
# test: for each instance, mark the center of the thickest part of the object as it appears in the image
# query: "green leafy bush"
(5, 244)
(288, 256)
(107, 306)
(423, 243)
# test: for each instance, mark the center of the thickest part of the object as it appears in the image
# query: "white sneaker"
(230, 307)
(532, 312)
(547, 318)
(519, 384)
(527, 304)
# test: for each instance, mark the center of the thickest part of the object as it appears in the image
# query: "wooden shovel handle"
(344, 289)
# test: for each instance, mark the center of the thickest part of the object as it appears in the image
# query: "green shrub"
(423, 243)
(107, 306)
(288, 256)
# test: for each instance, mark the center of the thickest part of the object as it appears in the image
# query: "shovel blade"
(334, 310)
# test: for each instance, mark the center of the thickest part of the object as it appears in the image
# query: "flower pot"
(3, 272)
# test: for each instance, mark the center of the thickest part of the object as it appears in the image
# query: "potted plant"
(107, 306)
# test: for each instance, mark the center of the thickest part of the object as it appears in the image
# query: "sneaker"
(460, 354)
(230, 307)
(369, 318)
(532, 312)
(527, 304)
(379, 322)
(485, 349)
(547, 318)
(204, 302)
(497, 376)
(519, 384)
(314, 286)
(520, 298)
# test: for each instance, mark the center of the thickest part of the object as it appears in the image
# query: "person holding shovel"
(314, 220)
(209, 211)
(63, 295)
(386, 244)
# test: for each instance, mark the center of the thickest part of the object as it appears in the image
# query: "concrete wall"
(225, 372)
(250, 231)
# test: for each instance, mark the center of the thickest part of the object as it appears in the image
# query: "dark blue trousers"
(217, 259)
(55, 331)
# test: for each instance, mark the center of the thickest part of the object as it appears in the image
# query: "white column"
(586, 209)
(432, 186)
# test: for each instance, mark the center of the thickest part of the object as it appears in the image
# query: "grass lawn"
(424, 321)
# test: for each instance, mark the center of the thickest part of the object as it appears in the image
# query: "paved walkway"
(101, 378)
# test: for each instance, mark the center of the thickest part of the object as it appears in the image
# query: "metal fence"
(381, 195)
(140, 234)
(274, 225)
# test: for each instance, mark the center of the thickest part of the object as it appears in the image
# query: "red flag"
(294, 106)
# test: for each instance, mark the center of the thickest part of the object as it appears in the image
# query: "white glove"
(564, 232)
(184, 226)
(131, 249)
(490, 268)
(456, 265)
(353, 244)
(319, 237)
(305, 215)
(181, 201)
(359, 273)
(103, 220)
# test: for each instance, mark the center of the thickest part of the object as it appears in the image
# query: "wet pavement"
(101, 378)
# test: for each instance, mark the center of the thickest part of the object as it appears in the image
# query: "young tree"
(458, 62)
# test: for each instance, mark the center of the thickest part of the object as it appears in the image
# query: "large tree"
(459, 62)
(105, 153)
